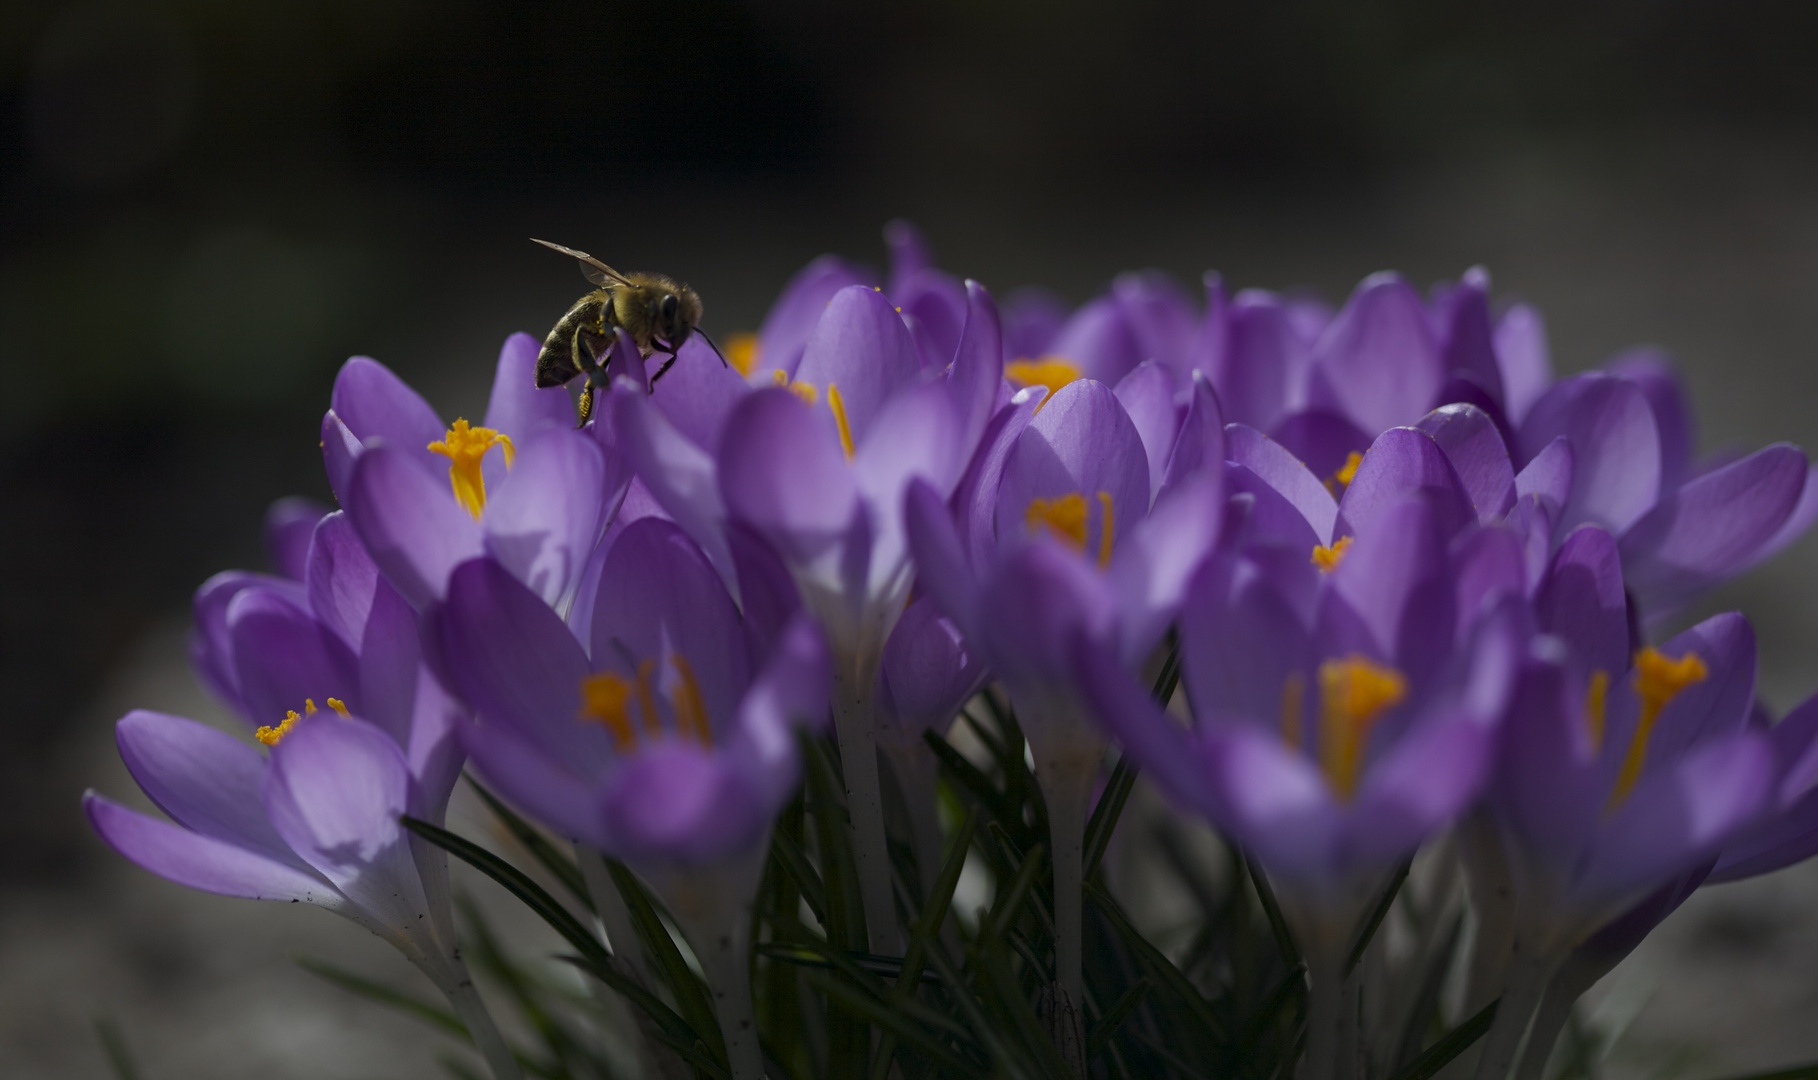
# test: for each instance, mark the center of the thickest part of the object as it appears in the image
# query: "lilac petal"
(1583, 602)
(377, 405)
(1147, 395)
(341, 579)
(1081, 442)
(335, 791)
(1265, 363)
(1152, 739)
(943, 571)
(1159, 556)
(659, 596)
(1650, 370)
(1032, 319)
(518, 408)
(680, 475)
(288, 525)
(543, 523)
(1470, 441)
(1212, 339)
(1040, 601)
(978, 366)
(212, 648)
(1680, 816)
(698, 393)
(975, 500)
(1548, 789)
(339, 449)
(432, 747)
(768, 596)
(917, 436)
(1717, 706)
(1261, 518)
(1278, 468)
(1099, 341)
(1466, 343)
(861, 346)
(283, 657)
(794, 315)
(1714, 523)
(1533, 525)
(1240, 643)
(349, 597)
(784, 474)
(790, 692)
(934, 304)
(202, 862)
(390, 659)
(1615, 444)
(519, 665)
(206, 780)
(1488, 563)
(543, 784)
(1426, 779)
(410, 523)
(1549, 476)
(927, 674)
(909, 254)
(1322, 440)
(1404, 462)
(676, 801)
(1200, 446)
(1804, 513)
(1161, 316)
(1522, 355)
(1274, 801)
(1393, 577)
(1378, 357)
(1787, 838)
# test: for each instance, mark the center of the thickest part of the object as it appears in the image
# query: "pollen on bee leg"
(465, 447)
(1658, 681)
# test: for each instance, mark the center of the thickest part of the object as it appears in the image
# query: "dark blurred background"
(205, 207)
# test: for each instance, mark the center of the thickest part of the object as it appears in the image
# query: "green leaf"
(848, 1036)
(670, 1027)
(968, 777)
(551, 857)
(794, 860)
(1455, 1042)
(1278, 924)
(690, 996)
(1003, 1055)
(434, 1015)
(1010, 901)
(894, 1020)
(1110, 807)
(113, 1044)
(1114, 1018)
(1159, 966)
(1378, 911)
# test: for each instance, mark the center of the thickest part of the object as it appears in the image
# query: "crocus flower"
(317, 822)
(1341, 717)
(664, 738)
(1064, 529)
(523, 487)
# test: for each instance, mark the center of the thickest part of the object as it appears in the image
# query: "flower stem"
(615, 917)
(852, 718)
(1325, 1019)
(1574, 977)
(465, 997)
(723, 961)
(1527, 981)
(1067, 787)
(916, 770)
(1493, 896)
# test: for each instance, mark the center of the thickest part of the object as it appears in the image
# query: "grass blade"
(1455, 1042)
(1114, 1018)
(359, 985)
(690, 996)
(1278, 924)
(1378, 911)
(1110, 807)
(552, 858)
(113, 1044)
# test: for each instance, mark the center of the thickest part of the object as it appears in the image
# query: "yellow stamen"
(653, 720)
(1353, 694)
(606, 698)
(1104, 530)
(1328, 558)
(1293, 695)
(805, 391)
(1052, 372)
(1340, 480)
(690, 709)
(340, 706)
(1658, 681)
(742, 352)
(464, 447)
(1596, 699)
(271, 736)
(1064, 517)
(839, 417)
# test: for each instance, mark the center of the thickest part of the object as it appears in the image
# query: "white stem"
(458, 986)
(615, 917)
(1066, 781)
(916, 770)
(853, 709)
(1493, 899)
(1574, 977)
(723, 961)
(1527, 981)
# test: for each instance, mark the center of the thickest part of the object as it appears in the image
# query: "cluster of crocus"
(1409, 580)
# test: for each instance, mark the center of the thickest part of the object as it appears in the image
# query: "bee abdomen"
(556, 360)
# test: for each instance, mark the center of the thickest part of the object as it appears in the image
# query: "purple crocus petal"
(1377, 358)
(340, 578)
(349, 597)
(680, 475)
(1265, 363)
(211, 650)
(1041, 599)
(1471, 443)
(1583, 602)
(545, 785)
(1680, 816)
(943, 571)
(1147, 395)
(1548, 789)
(783, 473)
(1549, 476)
(1805, 512)
(918, 435)
(518, 407)
(335, 791)
(1488, 563)
(698, 393)
(1466, 340)
(1523, 357)
(1160, 315)
(377, 405)
(975, 500)
(927, 673)
(202, 862)
(1791, 834)
(861, 346)
(1432, 773)
(1170, 756)
(1032, 319)
(1402, 463)
(1273, 800)
(978, 366)
(1284, 473)
(410, 523)
(1159, 556)
(1240, 642)
(1200, 446)
(933, 303)
(659, 596)
(677, 801)
(283, 657)
(1719, 705)
(1533, 525)
(1615, 446)
(1212, 339)
(339, 449)
(794, 315)
(909, 253)
(206, 780)
(1081, 442)
(1393, 578)
(432, 747)
(542, 525)
(288, 525)
(1714, 523)
(768, 597)
(1099, 341)
(1321, 439)
(1653, 373)
(790, 692)
(519, 665)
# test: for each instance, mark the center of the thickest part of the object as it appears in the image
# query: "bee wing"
(591, 268)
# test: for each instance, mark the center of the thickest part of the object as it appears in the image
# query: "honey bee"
(657, 311)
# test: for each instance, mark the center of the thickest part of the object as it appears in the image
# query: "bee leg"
(659, 374)
(586, 403)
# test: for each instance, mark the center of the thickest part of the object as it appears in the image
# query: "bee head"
(678, 313)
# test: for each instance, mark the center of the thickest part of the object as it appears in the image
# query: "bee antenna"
(713, 346)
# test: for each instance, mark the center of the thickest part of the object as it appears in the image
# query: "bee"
(655, 310)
